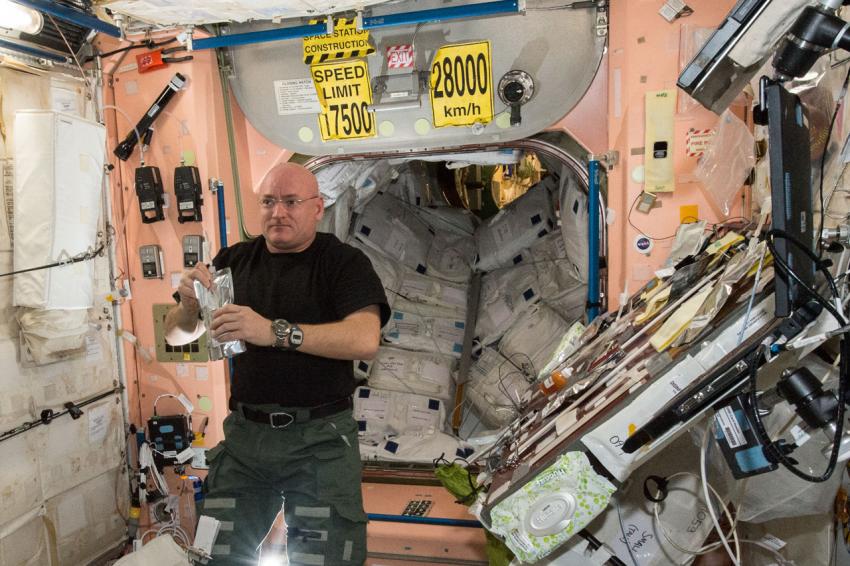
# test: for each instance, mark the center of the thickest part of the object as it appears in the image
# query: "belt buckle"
(272, 422)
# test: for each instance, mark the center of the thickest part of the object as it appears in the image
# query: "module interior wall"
(644, 57)
(192, 126)
(51, 463)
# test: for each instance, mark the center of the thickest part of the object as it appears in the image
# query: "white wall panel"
(20, 482)
(85, 518)
(27, 546)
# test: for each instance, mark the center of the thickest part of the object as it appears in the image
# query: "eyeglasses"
(269, 203)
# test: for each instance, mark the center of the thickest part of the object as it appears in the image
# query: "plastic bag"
(219, 294)
(727, 162)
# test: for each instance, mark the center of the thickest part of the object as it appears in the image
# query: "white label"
(175, 279)
(415, 288)
(725, 418)
(800, 435)
(393, 365)
(296, 96)
(182, 370)
(773, 542)
(518, 540)
(93, 350)
(98, 424)
(202, 373)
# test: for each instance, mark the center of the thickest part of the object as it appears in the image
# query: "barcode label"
(727, 422)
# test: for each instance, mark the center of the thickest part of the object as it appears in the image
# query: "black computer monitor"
(791, 192)
(714, 78)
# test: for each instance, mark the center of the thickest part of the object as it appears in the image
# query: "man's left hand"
(236, 322)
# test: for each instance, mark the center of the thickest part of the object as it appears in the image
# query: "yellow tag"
(345, 95)
(688, 213)
(462, 85)
(187, 357)
(345, 42)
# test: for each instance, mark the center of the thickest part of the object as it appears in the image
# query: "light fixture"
(20, 18)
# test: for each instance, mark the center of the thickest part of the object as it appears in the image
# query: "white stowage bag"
(505, 295)
(495, 388)
(416, 448)
(337, 217)
(50, 335)
(422, 373)
(57, 207)
(515, 227)
(426, 328)
(451, 256)
(380, 413)
(448, 219)
(533, 340)
(574, 222)
(388, 225)
(427, 290)
(385, 268)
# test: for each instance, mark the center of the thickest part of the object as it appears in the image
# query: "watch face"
(281, 328)
(296, 337)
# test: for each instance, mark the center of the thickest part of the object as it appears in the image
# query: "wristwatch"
(287, 336)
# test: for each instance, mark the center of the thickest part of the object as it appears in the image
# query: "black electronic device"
(791, 192)
(193, 250)
(804, 391)
(124, 149)
(815, 32)
(713, 77)
(150, 257)
(150, 193)
(169, 436)
(738, 441)
(187, 189)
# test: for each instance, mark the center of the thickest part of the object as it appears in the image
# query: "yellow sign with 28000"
(462, 85)
(344, 95)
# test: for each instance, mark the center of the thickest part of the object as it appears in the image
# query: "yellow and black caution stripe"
(346, 42)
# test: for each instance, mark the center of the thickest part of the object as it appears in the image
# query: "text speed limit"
(344, 95)
(461, 85)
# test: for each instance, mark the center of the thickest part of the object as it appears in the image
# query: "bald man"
(306, 304)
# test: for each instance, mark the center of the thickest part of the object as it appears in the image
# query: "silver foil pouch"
(219, 294)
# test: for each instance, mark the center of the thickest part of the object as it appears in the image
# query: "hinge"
(609, 159)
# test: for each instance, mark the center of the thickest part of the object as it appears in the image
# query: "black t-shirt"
(324, 283)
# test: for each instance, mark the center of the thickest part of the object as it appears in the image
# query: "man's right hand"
(186, 289)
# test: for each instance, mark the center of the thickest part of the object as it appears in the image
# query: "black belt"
(287, 416)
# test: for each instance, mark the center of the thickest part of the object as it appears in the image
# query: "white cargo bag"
(422, 373)
(416, 448)
(380, 413)
(424, 328)
(387, 225)
(451, 256)
(385, 268)
(515, 227)
(495, 388)
(58, 181)
(574, 222)
(505, 295)
(533, 340)
(419, 288)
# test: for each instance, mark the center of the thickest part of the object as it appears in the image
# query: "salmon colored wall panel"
(644, 57)
(193, 122)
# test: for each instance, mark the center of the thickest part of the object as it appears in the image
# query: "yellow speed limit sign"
(345, 95)
(462, 85)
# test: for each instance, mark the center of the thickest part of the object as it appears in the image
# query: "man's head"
(290, 207)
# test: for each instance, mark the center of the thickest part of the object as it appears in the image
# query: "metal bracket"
(602, 19)
(609, 159)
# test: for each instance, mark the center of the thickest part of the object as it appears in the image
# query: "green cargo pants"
(314, 467)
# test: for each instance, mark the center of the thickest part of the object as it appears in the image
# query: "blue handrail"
(593, 240)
